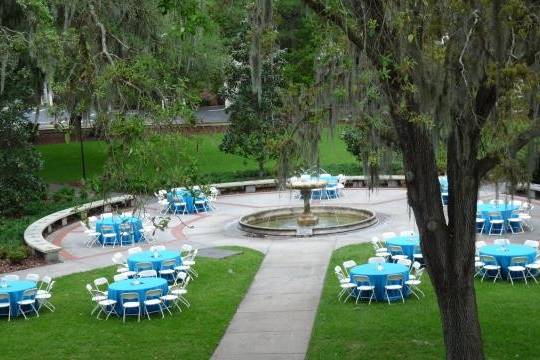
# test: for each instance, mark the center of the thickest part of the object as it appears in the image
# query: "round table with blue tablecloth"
(378, 277)
(504, 254)
(186, 195)
(407, 243)
(115, 221)
(139, 286)
(15, 289)
(148, 256)
(504, 209)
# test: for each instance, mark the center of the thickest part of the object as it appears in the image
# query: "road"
(204, 115)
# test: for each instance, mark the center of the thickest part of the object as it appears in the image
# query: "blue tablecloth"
(378, 278)
(15, 289)
(407, 243)
(126, 286)
(147, 256)
(115, 222)
(186, 196)
(443, 182)
(504, 255)
(505, 210)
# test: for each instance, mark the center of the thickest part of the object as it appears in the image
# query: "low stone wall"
(33, 235)
(356, 181)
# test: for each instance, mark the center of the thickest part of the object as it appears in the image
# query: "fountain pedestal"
(307, 218)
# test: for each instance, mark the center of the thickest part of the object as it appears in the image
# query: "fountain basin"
(283, 222)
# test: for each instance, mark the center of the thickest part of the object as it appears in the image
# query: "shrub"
(17, 254)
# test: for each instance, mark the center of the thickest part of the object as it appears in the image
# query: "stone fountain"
(307, 220)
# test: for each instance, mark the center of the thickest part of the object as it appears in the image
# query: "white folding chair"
(130, 300)
(394, 283)
(147, 273)
(28, 299)
(153, 298)
(363, 285)
(5, 303)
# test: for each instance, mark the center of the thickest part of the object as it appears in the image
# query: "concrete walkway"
(275, 319)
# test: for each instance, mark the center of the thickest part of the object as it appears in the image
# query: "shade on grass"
(62, 162)
(412, 330)
(71, 333)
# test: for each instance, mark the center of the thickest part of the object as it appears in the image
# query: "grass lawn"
(71, 333)
(412, 330)
(62, 161)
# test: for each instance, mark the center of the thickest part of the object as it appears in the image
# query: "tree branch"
(339, 20)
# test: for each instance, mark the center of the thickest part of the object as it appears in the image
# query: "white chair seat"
(131, 304)
(348, 285)
(383, 254)
(535, 266)
(92, 233)
(107, 302)
(382, 249)
(492, 267)
(480, 220)
(413, 282)
(399, 257)
(167, 272)
(524, 216)
(4, 304)
(188, 263)
(41, 292)
(169, 297)
(26, 302)
(98, 298)
(478, 264)
(179, 291)
(344, 281)
(182, 268)
(152, 302)
(365, 288)
(496, 221)
(516, 268)
(418, 256)
(109, 235)
(393, 287)
(43, 296)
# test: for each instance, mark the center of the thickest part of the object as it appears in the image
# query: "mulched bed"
(30, 262)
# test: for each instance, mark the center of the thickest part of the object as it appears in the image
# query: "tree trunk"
(260, 163)
(448, 248)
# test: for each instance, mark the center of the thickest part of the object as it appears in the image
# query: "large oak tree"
(471, 68)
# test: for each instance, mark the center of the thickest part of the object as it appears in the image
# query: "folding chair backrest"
(32, 277)
(405, 262)
(376, 260)
(134, 250)
(394, 279)
(416, 265)
(349, 264)
(101, 281)
(531, 243)
(29, 294)
(395, 250)
(361, 280)
(4, 297)
(495, 215)
(406, 233)
(142, 266)
(126, 227)
(501, 241)
(129, 296)
(480, 244)
(154, 293)
(120, 277)
(168, 264)
(106, 229)
(419, 273)
(488, 259)
(147, 273)
(519, 260)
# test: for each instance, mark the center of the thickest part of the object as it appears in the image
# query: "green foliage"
(253, 123)
(19, 162)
